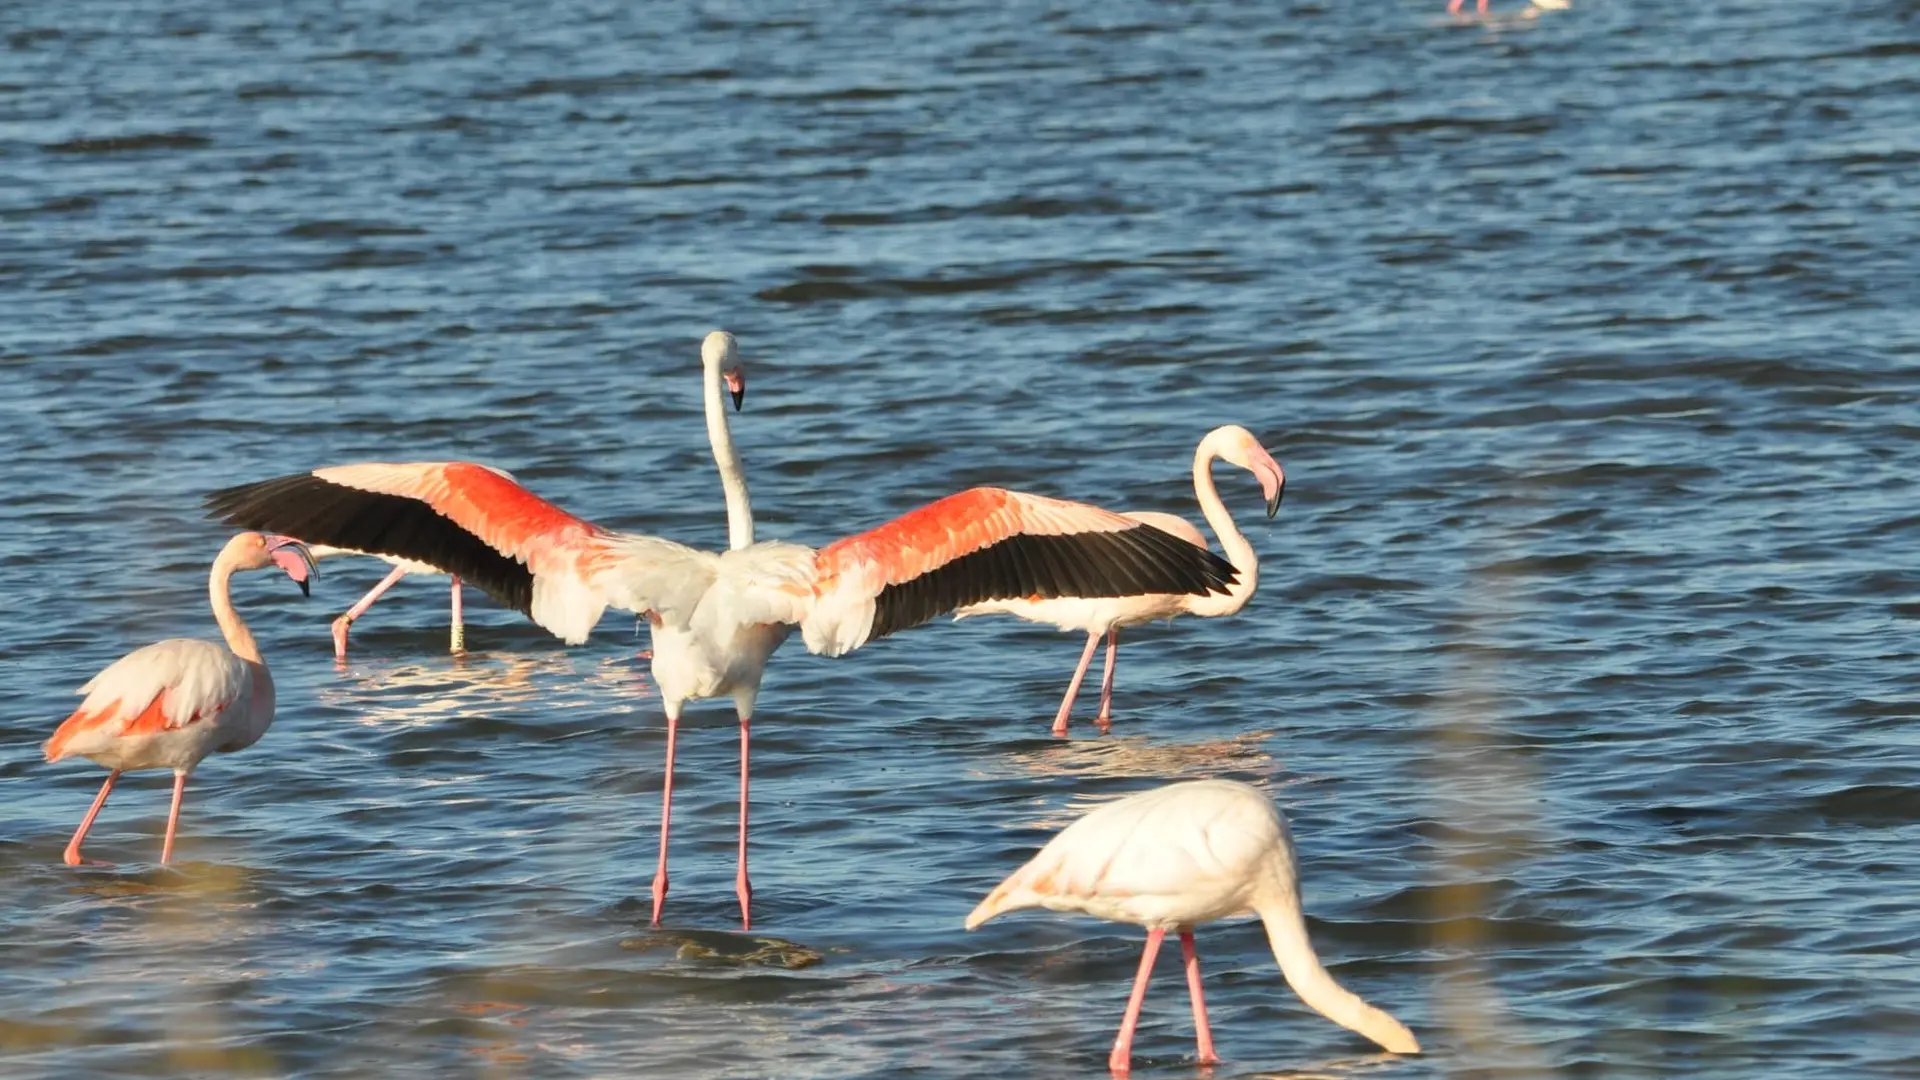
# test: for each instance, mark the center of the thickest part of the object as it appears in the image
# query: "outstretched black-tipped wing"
(403, 522)
(992, 544)
(1137, 562)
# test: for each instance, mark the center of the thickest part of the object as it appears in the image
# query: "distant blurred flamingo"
(1170, 859)
(1534, 8)
(1236, 446)
(170, 704)
(717, 618)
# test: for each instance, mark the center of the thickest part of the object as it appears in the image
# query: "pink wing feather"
(990, 543)
(165, 685)
(483, 501)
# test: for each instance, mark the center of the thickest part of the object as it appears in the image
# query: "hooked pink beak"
(1273, 481)
(292, 556)
(737, 386)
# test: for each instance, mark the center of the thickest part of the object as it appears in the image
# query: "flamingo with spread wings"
(1106, 615)
(717, 618)
(169, 704)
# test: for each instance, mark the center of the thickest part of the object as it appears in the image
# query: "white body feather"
(232, 699)
(1185, 854)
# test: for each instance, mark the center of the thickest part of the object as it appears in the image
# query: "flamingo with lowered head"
(717, 618)
(169, 704)
(1106, 615)
(457, 630)
(1171, 859)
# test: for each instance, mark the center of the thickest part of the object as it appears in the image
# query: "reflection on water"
(738, 950)
(1129, 757)
(482, 686)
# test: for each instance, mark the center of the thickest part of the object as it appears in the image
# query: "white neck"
(232, 627)
(733, 478)
(1238, 551)
(1279, 909)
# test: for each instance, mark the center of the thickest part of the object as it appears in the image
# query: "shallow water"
(1583, 659)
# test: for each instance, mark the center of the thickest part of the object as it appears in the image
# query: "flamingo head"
(257, 551)
(721, 352)
(1239, 447)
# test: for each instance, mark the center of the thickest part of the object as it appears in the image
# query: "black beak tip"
(1273, 505)
(305, 589)
(739, 398)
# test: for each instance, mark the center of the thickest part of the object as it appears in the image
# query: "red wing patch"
(152, 720)
(503, 512)
(926, 538)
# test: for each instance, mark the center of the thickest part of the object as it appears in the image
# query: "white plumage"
(206, 699)
(170, 704)
(1105, 615)
(1171, 859)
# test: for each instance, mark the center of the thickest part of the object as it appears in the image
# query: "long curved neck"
(733, 477)
(1238, 551)
(1279, 910)
(239, 638)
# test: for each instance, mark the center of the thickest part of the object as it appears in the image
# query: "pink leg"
(666, 814)
(1105, 719)
(340, 624)
(459, 630)
(173, 817)
(1201, 1032)
(1121, 1060)
(1073, 688)
(72, 856)
(741, 886)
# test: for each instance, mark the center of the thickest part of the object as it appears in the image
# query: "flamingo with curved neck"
(170, 704)
(1230, 443)
(1171, 859)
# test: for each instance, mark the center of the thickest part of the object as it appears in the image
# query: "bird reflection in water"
(1130, 757)
(195, 929)
(422, 694)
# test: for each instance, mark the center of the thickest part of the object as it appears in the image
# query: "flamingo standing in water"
(457, 630)
(170, 704)
(1534, 7)
(717, 618)
(1171, 859)
(457, 633)
(1106, 615)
